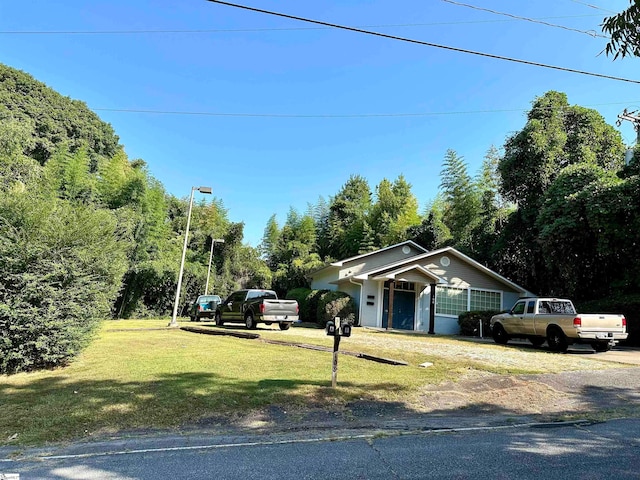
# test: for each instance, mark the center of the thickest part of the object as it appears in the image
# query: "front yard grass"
(138, 375)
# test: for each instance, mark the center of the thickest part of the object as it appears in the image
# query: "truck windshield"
(556, 307)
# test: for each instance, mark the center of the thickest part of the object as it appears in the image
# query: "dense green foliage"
(624, 31)
(336, 304)
(87, 233)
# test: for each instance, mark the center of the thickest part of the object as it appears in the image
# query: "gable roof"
(340, 263)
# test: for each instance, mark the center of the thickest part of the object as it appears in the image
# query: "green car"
(204, 307)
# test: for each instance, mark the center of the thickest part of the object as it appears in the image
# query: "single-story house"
(394, 287)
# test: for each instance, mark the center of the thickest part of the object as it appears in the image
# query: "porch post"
(432, 309)
(392, 284)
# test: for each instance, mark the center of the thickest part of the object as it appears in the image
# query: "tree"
(348, 212)
(624, 29)
(461, 200)
(394, 212)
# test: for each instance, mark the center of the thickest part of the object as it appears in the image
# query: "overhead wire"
(244, 30)
(592, 6)
(591, 33)
(330, 115)
(428, 44)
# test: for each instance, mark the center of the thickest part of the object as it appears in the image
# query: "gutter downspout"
(360, 302)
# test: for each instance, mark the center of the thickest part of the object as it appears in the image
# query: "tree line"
(87, 233)
(556, 209)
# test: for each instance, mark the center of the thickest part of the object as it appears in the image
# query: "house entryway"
(404, 306)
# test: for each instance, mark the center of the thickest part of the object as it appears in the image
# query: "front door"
(404, 307)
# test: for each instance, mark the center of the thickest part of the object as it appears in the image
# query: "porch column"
(432, 309)
(392, 284)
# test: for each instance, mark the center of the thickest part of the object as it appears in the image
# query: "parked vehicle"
(556, 321)
(257, 306)
(204, 307)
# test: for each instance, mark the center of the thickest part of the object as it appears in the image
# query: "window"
(455, 300)
(531, 306)
(518, 308)
(451, 300)
(485, 300)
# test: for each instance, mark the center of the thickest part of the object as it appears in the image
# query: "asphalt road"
(604, 450)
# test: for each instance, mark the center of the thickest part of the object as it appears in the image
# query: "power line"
(428, 44)
(329, 115)
(591, 33)
(592, 6)
(245, 30)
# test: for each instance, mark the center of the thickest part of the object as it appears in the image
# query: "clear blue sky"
(281, 86)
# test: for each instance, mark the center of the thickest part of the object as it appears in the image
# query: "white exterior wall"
(369, 314)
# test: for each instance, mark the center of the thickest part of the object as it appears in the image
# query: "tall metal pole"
(174, 317)
(174, 321)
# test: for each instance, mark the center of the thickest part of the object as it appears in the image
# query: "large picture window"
(451, 300)
(485, 300)
(455, 300)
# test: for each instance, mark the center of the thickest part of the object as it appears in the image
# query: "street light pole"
(174, 322)
(213, 242)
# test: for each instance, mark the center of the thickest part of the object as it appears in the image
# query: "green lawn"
(139, 375)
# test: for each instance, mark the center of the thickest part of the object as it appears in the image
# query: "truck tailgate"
(596, 322)
(280, 307)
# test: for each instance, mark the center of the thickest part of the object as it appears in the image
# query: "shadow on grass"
(59, 408)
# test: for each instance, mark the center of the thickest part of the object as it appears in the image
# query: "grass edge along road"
(137, 375)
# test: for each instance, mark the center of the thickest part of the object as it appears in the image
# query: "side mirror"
(331, 328)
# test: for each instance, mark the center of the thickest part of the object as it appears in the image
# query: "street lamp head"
(204, 189)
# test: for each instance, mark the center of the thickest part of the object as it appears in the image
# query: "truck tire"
(284, 325)
(601, 346)
(500, 334)
(218, 319)
(556, 340)
(250, 322)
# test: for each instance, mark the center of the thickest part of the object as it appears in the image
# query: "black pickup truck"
(257, 306)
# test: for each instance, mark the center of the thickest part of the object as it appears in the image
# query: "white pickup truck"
(556, 321)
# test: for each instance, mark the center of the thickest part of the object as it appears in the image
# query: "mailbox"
(345, 330)
(331, 329)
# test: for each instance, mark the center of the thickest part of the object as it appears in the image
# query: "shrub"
(628, 305)
(470, 322)
(61, 269)
(309, 311)
(300, 295)
(336, 304)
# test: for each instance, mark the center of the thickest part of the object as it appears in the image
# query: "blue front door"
(404, 309)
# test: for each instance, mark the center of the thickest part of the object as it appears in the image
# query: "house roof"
(394, 269)
(340, 263)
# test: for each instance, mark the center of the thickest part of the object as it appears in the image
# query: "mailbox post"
(337, 330)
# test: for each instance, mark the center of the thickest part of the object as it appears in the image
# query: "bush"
(470, 322)
(628, 305)
(309, 311)
(336, 304)
(61, 269)
(300, 295)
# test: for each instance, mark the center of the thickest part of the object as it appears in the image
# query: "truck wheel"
(284, 325)
(601, 346)
(537, 341)
(556, 340)
(250, 322)
(499, 334)
(218, 319)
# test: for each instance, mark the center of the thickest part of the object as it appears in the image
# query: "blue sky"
(289, 111)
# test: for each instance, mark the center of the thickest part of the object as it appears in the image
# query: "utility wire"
(428, 44)
(329, 115)
(592, 6)
(241, 30)
(591, 33)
